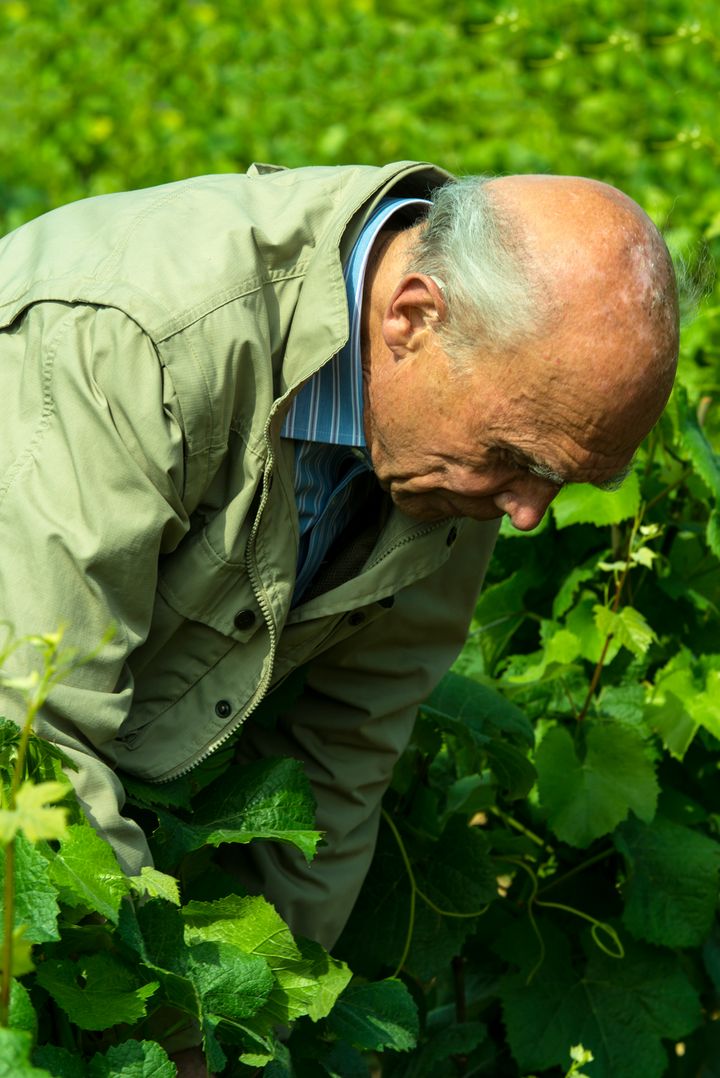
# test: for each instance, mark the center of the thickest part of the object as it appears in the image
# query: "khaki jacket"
(150, 343)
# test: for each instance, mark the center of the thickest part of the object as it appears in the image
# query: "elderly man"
(270, 422)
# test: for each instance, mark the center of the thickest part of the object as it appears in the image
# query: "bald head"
(599, 258)
(524, 337)
(566, 275)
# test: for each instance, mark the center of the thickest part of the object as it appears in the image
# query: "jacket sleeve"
(349, 727)
(91, 472)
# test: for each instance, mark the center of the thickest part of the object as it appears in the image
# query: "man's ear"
(415, 306)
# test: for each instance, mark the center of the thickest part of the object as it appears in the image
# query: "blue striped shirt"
(326, 420)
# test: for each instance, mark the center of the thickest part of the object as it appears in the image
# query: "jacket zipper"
(259, 593)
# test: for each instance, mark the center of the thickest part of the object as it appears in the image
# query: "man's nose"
(527, 503)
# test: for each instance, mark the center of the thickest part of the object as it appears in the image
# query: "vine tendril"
(416, 893)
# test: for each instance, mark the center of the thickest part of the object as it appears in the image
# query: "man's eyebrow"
(617, 480)
(544, 471)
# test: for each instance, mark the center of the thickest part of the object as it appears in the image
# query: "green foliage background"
(620, 831)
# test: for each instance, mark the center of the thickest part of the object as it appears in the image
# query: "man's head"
(545, 358)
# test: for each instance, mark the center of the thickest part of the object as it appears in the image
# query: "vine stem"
(668, 490)
(8, 924)
(512, 822)
(597, 672)
(601, 856)
(56, 665)
(9, 885)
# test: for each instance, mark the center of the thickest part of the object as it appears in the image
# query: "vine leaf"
(156, 884)
(627, 626)
(588, 797)
(97, 991)
(686, 695)
(455, 1040)
(583, 623)
(36, 907)
(704, 460)
(672, 886)
(712, 532)
(560, 648)
(515, 774)
(460, 876)
(59, 1062)
(232, 984)
(132, 1059)
(625, 704)
(375, 1016)
(269, 799)
(307, 980)
(499, 613)
(211, 980)
(86, 872)
(619, 1010)
(582, 503)
(22, 1013)
(155, 932)
(462, 701)
(15, 1046)
(575, 578)
(34, 813)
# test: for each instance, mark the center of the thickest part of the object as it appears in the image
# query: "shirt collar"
(329, 407)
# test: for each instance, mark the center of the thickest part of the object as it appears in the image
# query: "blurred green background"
(99, 97)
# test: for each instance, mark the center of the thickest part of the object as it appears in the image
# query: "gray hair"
(475, 253)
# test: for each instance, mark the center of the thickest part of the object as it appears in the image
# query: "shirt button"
(244, 619)
(451, 536)
(387, 602)
(356, 618)
(223, 709)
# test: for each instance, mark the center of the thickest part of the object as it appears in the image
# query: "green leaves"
(671, 892)
(618, 1009)
(480, 707)
(628, 627)
(375, 1016)
(270, 799)
(33, 814)
(499, 613)
(97, 991)
(15, 1048)
(584, 504)
(473, 712)
(588, 789)
(231, 984)
(704, 460)
(685, 696)
(156, 884)
(132, 1059)
(461, 876)
(305, 979)
(36, 908)
(86, 872)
